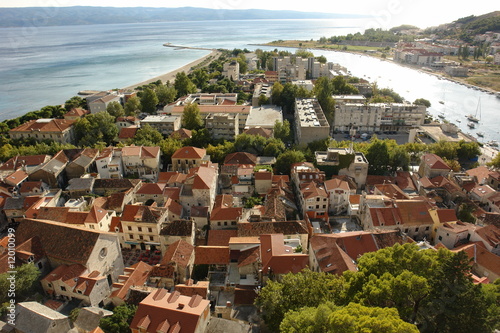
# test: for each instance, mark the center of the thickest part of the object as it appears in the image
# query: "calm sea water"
(47, 65)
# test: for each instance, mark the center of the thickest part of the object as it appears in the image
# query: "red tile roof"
(278, 257)
(181, 134)
(208, 255)
(135, 275)
(241, 158)
(179, 252)
(192, 289)
(330, 257)
(128, 132)
(220, 237)
(189, 153)
(446, 215)
(44, 125)
(60, 240)
(435, 162)
(18, 161)
(336, 183)
(490, 234)
(391, 191)
(151, 188)
(480, 174)
(161, 311)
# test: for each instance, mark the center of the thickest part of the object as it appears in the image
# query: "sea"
(47, 65)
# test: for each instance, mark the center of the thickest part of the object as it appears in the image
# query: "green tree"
(294, 291)
(285, 161)
(183, 85)
(323, 90)
(26, 282)
(200, 78)
(95, 128)
(168, 147)
(75, 102)
(282, 130)
(422, 101)
(263, 100)
(166, 94)
(219, 152)
(149, 100)
(120, 320)
(353, 318)
(115, 109)
(468, 150)
(274, 147)
(133, 106)
(253, 144)
(276, 93)
(378, 157)
(191, 117)
(399, 158)
(147, 136)
(495, 162)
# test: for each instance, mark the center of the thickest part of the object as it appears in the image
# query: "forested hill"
(467, 27)
(82, 15)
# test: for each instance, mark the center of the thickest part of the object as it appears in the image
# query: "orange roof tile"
(220, 237)
(209, 255)
(435, 162)
(189, 153)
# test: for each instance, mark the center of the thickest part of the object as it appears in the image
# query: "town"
(178, 205)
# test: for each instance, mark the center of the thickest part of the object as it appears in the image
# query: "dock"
(181, 47)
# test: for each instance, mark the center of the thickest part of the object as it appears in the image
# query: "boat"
(474, 117)
(480, 134)
(441, 102)
(493, 143)
(471, 125)
(441, 115)
(459, 121)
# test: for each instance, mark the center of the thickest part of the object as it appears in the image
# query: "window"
(139, 228)
(63, 288)
(416, 229)
(426, 228)
(150, 229)
(40, 265)
(218, 223)
(131, 236)
(233, 223)
(141, 237)
(225, 222)
(103, 252)
(440, 237)
(317, 206)
(129, 228)
(406, 230)
(151, 238)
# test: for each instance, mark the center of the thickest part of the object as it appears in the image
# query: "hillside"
(50, 16)
(466, 27)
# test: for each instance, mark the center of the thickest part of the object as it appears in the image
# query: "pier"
(181, 47)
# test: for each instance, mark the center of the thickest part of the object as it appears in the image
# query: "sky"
(384, 13)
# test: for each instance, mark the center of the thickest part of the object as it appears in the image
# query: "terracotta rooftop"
(208, 255)
(179, 252)
(220, 237)
(128, 132)
(490, 234)
(135, 275)
(190, 288)
(189, 153)
(330, 257)
(435, 162)
(391, 191)
(181, 134)
(284, 227)
(161, 311)
(138, 213)
(16, 162)
(336, 183)
(60, 240)
(44, 125)
(446, 215)
(278, 257)
(241, 158)
(181, 228)
(151, 188)
(264, 132)
(480, 174)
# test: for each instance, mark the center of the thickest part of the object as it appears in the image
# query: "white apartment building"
(310, 121)
(222, 125)
(378, 116)
(164, 124)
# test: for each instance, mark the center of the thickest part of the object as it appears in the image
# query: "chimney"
(229, 304)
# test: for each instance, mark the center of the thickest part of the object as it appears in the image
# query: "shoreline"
(170, 76)
(440, 76)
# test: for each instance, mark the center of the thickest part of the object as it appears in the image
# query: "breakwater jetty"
(181, 47)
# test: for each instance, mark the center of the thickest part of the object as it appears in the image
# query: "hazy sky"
(388, 13)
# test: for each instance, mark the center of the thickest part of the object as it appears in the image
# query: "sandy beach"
(170, 76)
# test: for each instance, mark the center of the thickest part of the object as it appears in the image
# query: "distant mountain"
(82, 15)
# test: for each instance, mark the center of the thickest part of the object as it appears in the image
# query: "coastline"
(440, 76)
(170, 76)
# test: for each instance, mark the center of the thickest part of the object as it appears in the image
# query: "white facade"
(310, 121)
